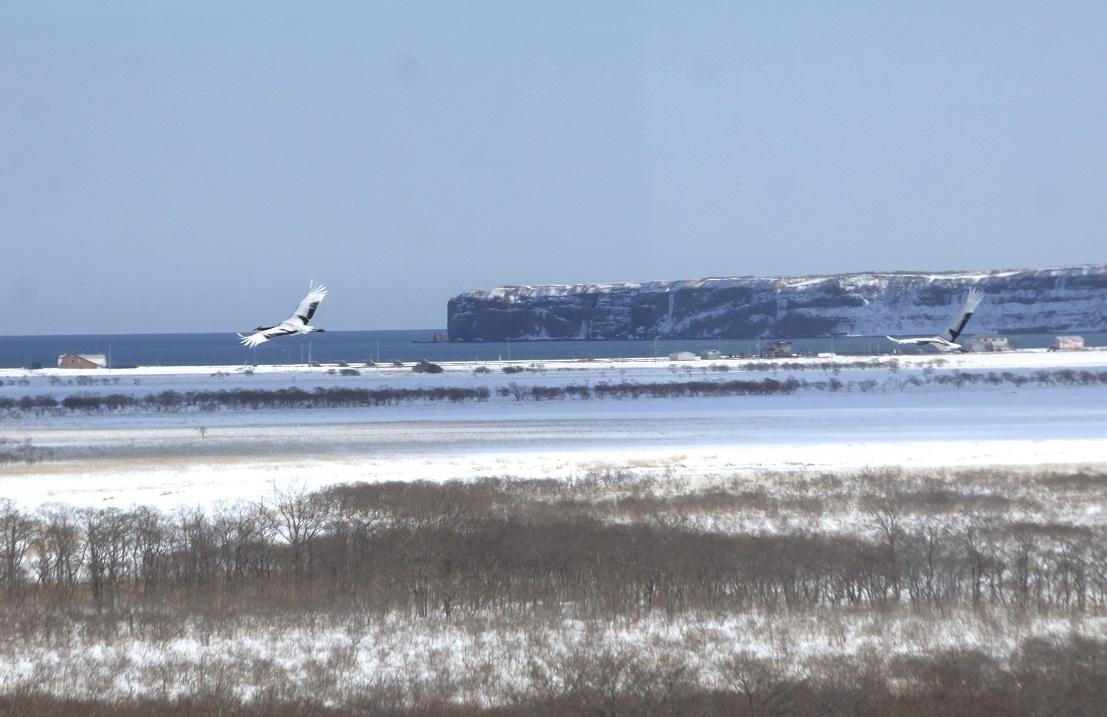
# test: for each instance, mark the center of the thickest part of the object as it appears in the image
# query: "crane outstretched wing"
(958, 324)
(306, 308)
(253, 339)
(261, 337)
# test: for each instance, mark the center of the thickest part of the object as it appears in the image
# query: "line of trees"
(353, 397)
(776, 364)
(493, 547)
(248, 399)
(633, 390)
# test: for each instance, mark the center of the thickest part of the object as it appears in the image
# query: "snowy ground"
(882, 414)
(167, 459)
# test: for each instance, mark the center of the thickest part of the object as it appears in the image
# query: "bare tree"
(59, 549)
(765, 690)
(16, 533)
(298, 517)
(887, 519)
(107, 534)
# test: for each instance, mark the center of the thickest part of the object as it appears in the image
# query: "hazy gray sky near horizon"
(189, 166)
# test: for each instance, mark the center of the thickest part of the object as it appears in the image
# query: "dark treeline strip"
(251, 399)
(1061, 377)
(491, 547)
(353, 397)
(828, 365)
(668, 389)
(348, 397)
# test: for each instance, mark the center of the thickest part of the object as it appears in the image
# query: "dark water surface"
(357, 347)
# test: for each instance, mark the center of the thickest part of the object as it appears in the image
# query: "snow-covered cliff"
(1061, 300)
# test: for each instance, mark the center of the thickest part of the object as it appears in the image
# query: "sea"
(360, 347)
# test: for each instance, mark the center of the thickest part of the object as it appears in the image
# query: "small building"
(82, 361)
(711, 355)
(780, 349)
(682, 356)
(989, 343)
(1067, 343)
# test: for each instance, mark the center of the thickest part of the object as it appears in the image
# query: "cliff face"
(1058, 300)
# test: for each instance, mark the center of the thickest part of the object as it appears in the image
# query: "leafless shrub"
(613, 546)
(762, 686)
(12, 451)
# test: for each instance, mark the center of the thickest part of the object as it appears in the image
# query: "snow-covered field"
(1036, 412)
(167, 459)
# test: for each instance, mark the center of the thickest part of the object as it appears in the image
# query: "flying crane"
(947, 341)
(295, 324)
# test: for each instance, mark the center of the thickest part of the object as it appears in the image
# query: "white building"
(1068, 343)
(988, 343)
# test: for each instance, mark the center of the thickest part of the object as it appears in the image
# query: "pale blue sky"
(189, 166)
